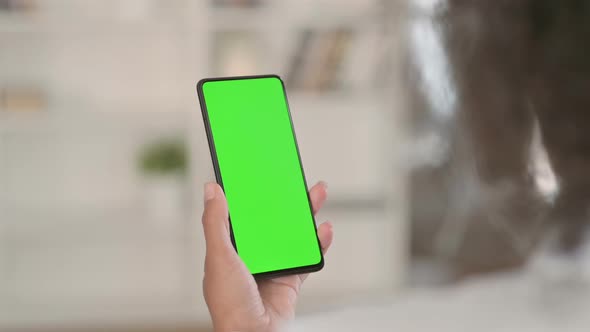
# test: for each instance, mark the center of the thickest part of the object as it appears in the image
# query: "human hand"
(236, 301)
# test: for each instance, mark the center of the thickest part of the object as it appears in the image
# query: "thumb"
(215, 220)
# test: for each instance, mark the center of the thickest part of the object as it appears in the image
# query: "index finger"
(318, 195)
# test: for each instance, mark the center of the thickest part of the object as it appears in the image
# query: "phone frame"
(219, 179)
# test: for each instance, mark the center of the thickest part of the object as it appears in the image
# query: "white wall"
(76, 246)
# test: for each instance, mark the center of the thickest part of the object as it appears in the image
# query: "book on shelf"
(22, 99)
(18, 6)
(235, 53)
(295, 74)
(318, 58)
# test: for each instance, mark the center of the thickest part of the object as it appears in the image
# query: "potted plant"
(164, 164)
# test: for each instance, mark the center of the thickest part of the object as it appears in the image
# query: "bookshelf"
(108, 75)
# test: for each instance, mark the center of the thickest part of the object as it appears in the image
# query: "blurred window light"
(427, 5)
(545, 179)
(431, 60)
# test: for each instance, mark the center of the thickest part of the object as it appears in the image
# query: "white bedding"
(536, 299)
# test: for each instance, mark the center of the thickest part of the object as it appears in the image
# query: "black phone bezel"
(218, 177)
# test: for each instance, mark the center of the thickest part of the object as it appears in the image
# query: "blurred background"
(452, 135)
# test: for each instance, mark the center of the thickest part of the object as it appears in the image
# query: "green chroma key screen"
(262, 176)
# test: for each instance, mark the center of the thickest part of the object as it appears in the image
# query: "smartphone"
(257, 163)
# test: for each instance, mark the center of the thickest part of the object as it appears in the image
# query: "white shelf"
(361, 239)
(336, 99)
(97, 124)
(239, 18)
(19, 24)
(98, 230)
(102, 262)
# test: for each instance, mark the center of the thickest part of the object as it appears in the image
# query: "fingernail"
(209, 191)
(324, 184)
